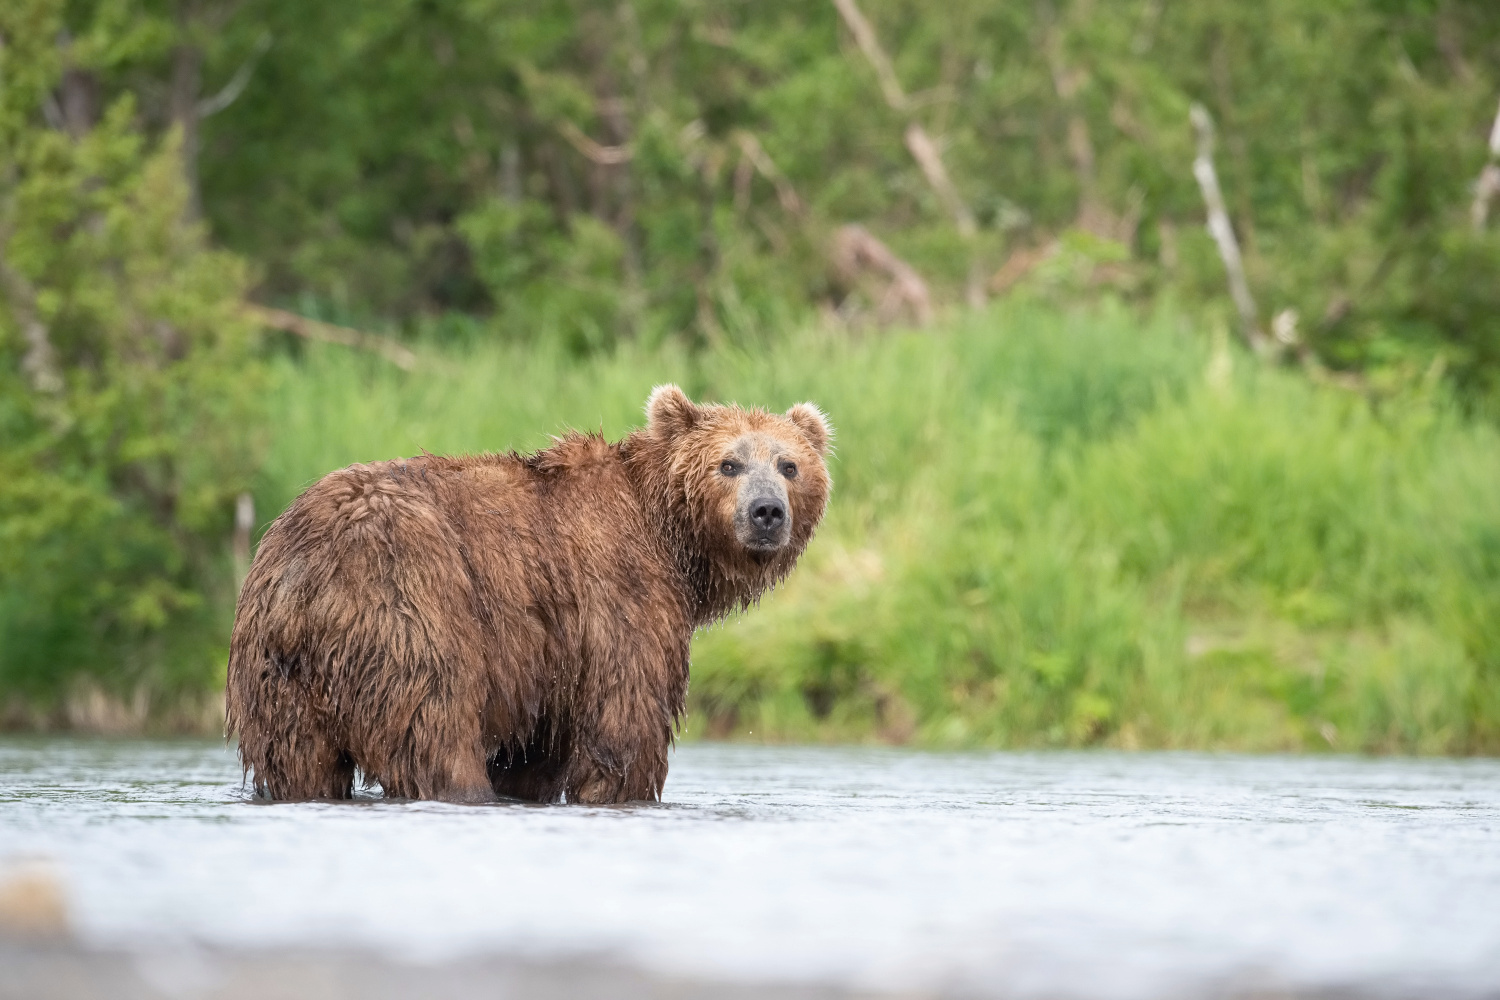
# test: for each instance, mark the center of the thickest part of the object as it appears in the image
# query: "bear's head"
(738, 491)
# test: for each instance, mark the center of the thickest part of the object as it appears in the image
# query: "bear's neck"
(717, 583)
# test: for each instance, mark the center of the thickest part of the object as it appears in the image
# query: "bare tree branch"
(1019, 264)
(921, 146)
(1221, 230)
(856, 251)
(236, 86)
(604, 155)
(313, 329)
(931, 161)
(52, 112)
(756, 155)
(869, 44)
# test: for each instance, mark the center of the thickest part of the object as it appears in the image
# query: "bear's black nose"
(767, 514)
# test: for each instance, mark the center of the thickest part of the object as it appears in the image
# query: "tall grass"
(1048, 528)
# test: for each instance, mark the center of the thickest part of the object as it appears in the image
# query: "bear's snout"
(763, 521)
(768, 514)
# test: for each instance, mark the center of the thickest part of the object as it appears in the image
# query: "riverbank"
(1048, 528)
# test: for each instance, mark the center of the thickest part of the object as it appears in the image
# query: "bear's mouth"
(762, 540)
(764, 546)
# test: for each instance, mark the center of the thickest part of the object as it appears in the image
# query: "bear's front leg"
(600, 774)
(628, 698)
(618, 746)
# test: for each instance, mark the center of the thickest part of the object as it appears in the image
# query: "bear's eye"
(789, 469)
(729, 468)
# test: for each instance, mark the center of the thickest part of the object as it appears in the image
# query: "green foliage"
(1052, 526)
(1351, 135)
(587, 172)
(1250, 562)
(126, 406)
(1049, 528)
(559, 287)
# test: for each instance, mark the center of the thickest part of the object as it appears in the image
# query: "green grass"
(1048, 529)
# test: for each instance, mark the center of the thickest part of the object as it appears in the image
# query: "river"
(1080, 875)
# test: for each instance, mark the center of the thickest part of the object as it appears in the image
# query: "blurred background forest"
(1088, 490)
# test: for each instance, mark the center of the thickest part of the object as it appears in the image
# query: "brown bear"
(513, 625)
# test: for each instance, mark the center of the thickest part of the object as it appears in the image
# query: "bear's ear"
(669, 412)
(811, 422)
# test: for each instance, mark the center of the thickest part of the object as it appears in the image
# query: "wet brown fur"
(461, 628)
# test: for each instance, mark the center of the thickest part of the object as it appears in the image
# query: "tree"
(127, 388)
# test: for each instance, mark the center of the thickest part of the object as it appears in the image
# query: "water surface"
(1089, 875)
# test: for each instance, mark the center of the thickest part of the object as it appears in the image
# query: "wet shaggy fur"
(462, 628)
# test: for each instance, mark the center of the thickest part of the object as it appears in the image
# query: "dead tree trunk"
(754, 158)
(39, 363)
(185, 108)
(78, 101)
(244, 524)
(187, 79)
(1489, 180)
(856, 253)
(74, 106)
(1223, 233)
(918, 142)
(1066, 83)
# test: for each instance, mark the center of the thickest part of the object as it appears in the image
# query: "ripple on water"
(1069, 874)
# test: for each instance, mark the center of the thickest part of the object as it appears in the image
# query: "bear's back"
(556, 541)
